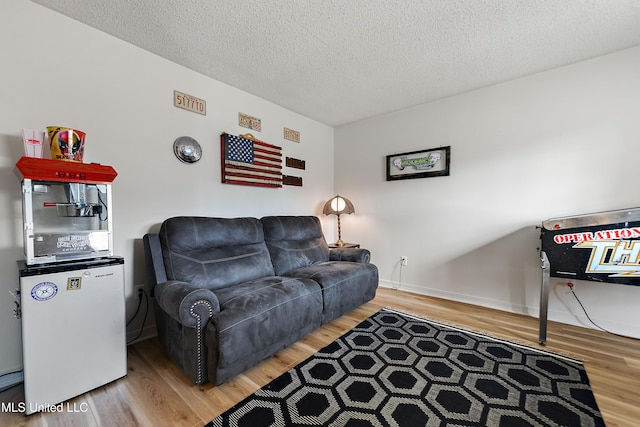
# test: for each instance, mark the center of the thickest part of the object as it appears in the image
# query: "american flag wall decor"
(248, 161)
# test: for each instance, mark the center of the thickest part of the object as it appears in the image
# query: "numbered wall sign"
(189, 103)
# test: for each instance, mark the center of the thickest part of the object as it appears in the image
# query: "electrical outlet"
(138, 289)
(403, 260)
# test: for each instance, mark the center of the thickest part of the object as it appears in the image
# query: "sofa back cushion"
(294, 242)
(214, 252)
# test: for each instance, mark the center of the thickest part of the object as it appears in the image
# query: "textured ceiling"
(338, 61)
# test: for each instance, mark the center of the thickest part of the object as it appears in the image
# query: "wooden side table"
(346, 245)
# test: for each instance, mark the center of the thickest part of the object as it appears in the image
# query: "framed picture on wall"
(419, 164)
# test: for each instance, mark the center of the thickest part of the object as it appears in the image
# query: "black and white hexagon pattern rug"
(394, 369)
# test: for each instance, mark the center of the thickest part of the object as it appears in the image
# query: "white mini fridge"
(73, 329)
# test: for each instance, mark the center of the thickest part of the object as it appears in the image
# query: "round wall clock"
(187, 149)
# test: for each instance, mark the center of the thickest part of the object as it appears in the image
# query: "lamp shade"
(338, 205)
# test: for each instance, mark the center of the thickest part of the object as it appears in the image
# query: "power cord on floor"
(141, 292)
(570, 285)
(400, 279)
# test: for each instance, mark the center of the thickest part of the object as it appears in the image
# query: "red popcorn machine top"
(66, 210)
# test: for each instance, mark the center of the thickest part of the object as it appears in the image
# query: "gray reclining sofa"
(231, 292)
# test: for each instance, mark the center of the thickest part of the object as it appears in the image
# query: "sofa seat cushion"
(259, 313)
(345, 285)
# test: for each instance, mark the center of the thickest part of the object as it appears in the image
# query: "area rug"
(394, 369)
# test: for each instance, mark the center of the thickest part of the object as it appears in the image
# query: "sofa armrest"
(350, 254)
(188, 304)
(154, 265)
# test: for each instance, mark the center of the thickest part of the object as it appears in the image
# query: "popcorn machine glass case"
(66, 210)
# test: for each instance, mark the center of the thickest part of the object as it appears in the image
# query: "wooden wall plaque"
(296, 181)
(295, 163)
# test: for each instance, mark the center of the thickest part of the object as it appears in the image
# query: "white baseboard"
(9, 380)
(469, 299)
(149, 331)
(565, 317)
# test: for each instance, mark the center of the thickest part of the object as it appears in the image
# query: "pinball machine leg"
(544, 297)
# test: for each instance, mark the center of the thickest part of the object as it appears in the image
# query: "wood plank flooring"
(156, 393)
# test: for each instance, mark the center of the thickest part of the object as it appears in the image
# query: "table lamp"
(338, 205)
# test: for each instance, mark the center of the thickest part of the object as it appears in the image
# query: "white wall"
(558, 143)
(56, 71)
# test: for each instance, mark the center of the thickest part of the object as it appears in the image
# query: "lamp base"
(339, 243)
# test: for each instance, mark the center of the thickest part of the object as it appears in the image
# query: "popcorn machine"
(66, 210)
(72, 305)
